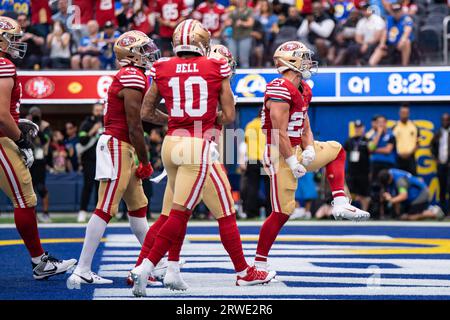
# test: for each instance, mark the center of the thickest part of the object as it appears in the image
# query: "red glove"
(144, 172)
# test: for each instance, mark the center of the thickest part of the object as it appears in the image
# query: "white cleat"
(82, 215)
(140, 276)
(173, 279)
(342, 209)
(87, 277)
(255, 276)
(152, 281)
(161, 268)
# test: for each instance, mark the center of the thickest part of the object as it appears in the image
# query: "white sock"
(340, 201)
(94, 232)
(174, 266)
(36, 260)
(139, 226)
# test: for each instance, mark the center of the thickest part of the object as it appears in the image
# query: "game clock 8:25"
(414, 83)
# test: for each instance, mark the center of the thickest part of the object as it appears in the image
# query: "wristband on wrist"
(310, 147)
(292, 161)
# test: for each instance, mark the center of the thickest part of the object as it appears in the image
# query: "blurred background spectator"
(59, 156)
(71, 142)
(440, 148)
(62, 15)
(105, 43)
(407, 141)
(212, 15)
(240, 43)
(88, 51)
(35, 40)
(169, 14)
(58, 44)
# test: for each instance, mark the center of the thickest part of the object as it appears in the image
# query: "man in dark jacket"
(440, 148)
(90, 131)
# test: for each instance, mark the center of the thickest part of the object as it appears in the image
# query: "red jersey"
(283, 90)
(40, 12)
(86, 10)
(190, 88)
(8, 70)
(105, 11)
(141, 21)
(210, 17)
(115, 118)
(170, 10)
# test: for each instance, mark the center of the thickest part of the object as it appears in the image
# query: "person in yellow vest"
(255, 141)
(407, 136)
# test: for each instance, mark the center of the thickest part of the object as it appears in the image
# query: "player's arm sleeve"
(7, 70)
(278, 93)
(132, 81)
(225, 70)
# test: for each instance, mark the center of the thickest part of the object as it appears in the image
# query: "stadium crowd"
(79, 34)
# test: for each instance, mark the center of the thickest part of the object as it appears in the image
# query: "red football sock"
(335, 171)
(26, 224)
(150, 238)
(231, 240)
(166, 236)
(268, 234)
(175, 249)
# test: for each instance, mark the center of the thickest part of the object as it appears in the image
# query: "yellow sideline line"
(56, 240)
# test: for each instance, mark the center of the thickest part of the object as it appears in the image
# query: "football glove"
(28, 128)
(308, 155)
(25, 149)
(144, 171)
(298, 170)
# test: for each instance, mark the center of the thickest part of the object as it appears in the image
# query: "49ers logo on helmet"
(225, 52)
(6, 25)
(127, 41)
(290, 46)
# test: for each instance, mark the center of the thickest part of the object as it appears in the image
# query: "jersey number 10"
(179, 110)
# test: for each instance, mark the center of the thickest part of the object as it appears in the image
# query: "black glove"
(25, 149)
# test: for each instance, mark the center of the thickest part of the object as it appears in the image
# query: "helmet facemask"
(307, 66)
(149, 53)
(15, 48)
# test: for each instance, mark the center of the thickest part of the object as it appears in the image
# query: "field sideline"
(314, 260)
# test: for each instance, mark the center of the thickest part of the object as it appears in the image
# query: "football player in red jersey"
(192, 85)
(117, 150)
(16, 154)
(291, 150)
(219, 200)
(212, 15)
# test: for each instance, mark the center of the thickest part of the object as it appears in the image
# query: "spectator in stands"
(397, 39)
(63, 12)
(34, 39)
(155, 140)
(382, 147)
(41, 16)
(440, 148)
(169, 14)
(241, 19)
(85, 9)
(106, 40)
(317, 31)
(60, 162)
(257, 52)
(342, 9)
(253, 169)
(407, 141)
(38, 170)
(126, 15)
(269, 22)
(345, 37)
(88, 51)
(90, 130)
(409, 7)
(369, 32)
(143, 19)
(401, 189)
(212, 15)
(357, 148)
(58, 44)
(105, 12)
(71, 142)
(286, 28)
